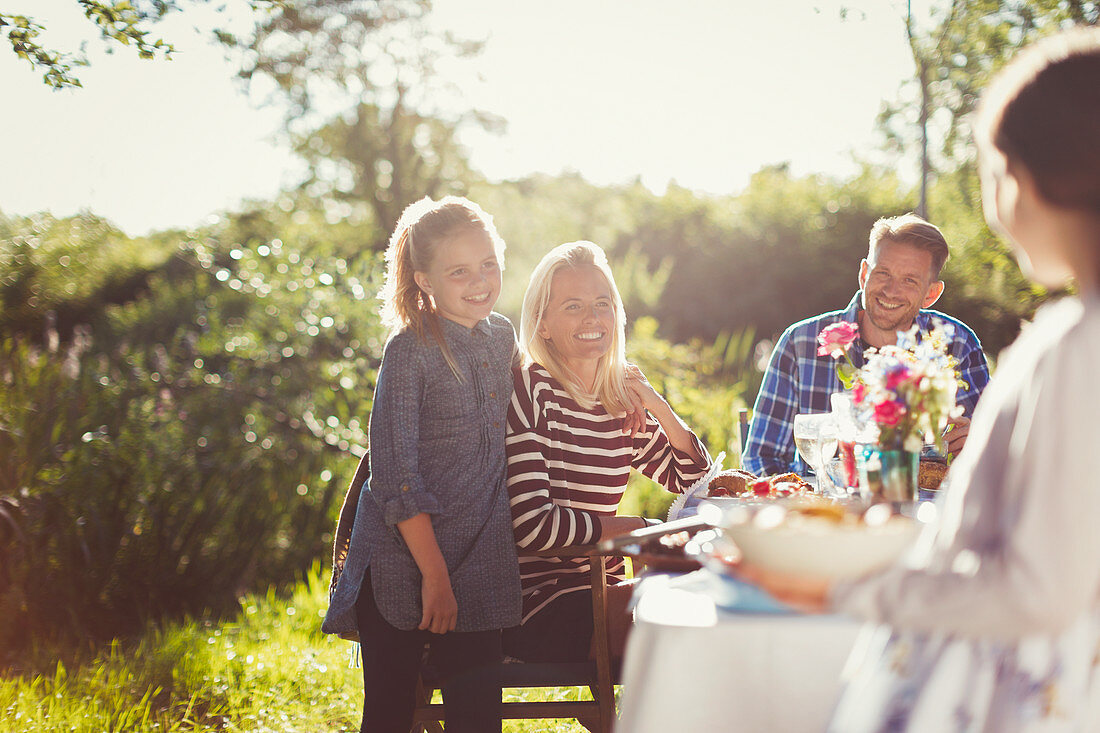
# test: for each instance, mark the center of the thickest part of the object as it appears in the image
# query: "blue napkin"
(728, 593)
(736, 595)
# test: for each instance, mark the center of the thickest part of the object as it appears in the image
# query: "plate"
(819, 547)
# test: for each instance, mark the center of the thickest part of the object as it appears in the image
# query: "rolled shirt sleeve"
(396, 483)
(972, 367)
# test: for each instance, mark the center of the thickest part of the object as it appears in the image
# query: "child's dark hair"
(1043, 113)
(422, 228)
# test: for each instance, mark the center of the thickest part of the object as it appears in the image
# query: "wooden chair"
(598, 675)
(743, 428)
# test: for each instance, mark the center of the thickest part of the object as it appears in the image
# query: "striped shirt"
(567, 466)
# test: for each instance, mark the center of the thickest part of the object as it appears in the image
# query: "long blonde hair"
(423, 228)
(610, 370)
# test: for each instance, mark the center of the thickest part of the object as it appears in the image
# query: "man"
(899, 280)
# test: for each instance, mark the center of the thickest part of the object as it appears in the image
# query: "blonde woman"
(570, 449)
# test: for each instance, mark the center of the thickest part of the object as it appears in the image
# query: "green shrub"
(184, 446)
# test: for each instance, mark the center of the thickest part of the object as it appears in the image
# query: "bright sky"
(703, 92)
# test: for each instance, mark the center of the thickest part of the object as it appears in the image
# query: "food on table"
(737, 483)
(815, 506)
(787, 478)
(816, 537)
(730, 482)
(931, 473)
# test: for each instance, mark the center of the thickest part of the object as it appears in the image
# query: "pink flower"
(859, 391)
(836, 339)
(896, 377)
(889, 413)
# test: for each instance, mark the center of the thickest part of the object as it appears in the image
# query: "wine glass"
(830, 477)
(812, 433)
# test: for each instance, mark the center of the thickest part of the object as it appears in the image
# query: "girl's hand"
(809, 595)
(440, 606)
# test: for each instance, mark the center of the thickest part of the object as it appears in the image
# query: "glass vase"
(888, 475)
(853, 433)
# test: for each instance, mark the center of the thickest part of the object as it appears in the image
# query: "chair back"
(743, 427)
(598, 674)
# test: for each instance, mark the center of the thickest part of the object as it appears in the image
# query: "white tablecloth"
(690, 666)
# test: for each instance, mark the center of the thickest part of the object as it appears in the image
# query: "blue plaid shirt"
(799, 381)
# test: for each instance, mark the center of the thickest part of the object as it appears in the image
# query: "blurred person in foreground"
(899, 281)
(992, 622)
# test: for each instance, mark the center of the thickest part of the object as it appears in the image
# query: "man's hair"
(912, 230)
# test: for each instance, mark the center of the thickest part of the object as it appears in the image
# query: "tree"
(365, 106)
(125, 22)
(954, 56)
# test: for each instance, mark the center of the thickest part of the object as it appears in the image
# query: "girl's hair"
(610, 372)
(1042, 112)
(423, 228)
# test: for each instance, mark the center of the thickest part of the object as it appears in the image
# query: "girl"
(431, 558)
(569, 456)
(994, 623)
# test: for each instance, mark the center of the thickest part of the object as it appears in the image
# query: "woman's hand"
(634, 420)
(440, 606)
(641, 390)
(615, 526)
(809, 595)
(678, 434)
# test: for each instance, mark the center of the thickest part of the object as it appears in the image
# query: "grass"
(267, 669)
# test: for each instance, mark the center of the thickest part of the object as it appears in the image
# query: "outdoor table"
(692, 666)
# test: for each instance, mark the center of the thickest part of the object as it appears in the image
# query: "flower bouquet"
(905, 394)
(906, 390)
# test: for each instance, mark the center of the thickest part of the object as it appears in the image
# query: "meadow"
(266, 668)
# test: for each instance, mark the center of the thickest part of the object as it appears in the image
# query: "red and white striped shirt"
(567, 465)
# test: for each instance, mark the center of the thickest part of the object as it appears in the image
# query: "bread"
(931, 473)
(730, 482)
(787, 478)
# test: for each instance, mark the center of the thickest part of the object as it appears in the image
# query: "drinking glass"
(828, 461)
(850, 434)
(812, 432)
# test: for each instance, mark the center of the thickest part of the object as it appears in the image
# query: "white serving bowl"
(818, 547)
